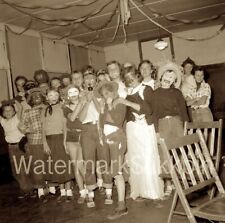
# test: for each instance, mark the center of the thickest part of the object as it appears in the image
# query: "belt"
(13, 144)
(90, 123)
(168, 117)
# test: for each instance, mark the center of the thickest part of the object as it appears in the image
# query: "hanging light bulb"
(160, 44)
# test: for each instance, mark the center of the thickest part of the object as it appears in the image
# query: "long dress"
(143, 155)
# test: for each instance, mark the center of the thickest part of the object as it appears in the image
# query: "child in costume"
(143, 156)
(74, 128)
(170, 111)
(54, 135)
(114, 143)
(31, 126)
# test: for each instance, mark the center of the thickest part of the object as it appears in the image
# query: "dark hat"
(34, 90)
(29, 85)
(101, 72)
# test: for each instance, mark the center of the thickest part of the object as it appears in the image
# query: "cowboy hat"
(170, 66)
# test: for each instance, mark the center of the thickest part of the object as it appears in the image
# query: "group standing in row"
(104, 126)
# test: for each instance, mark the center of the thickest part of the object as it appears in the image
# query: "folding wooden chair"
(212, 132)
(192, 169)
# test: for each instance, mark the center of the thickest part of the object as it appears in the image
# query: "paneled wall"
(55, 56)
(24, 55)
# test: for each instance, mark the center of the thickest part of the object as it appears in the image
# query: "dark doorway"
(216, 79)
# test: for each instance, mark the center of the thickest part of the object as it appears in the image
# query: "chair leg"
(173, 206)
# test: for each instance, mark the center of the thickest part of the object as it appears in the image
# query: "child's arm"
(74, 115)
(190, 101)
(133, 105)
(19, 109)
(24, 123)
(97, 104)
(64, 134)
(84, 110)
(201, 101)
(45, 144)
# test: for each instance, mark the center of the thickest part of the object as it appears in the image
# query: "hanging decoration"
(122, 10)
(172, 18)
(54, 7)
(218, 32)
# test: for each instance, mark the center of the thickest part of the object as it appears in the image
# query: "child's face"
(168, 79)
(107, 94)
(66, 81)
(44, 88)
(55, 84)
(19, 85)
(145, 70)
(73, 94)
(89, 81)
(8, 112)
(114, 71)
(53, 97)
(102, 77)
(131, 80)
(188, 68)
(77, 79)
(36, 99)
(199, 76)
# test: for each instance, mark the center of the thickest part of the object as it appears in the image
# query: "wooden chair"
(192, 169)
(212, 132)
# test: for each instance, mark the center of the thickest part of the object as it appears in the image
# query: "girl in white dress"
(143, 156)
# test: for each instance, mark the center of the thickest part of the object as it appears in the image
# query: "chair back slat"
(188, 166)
(205, 132)
(191, 164)
(203, 161)
(211, 142)
(212, 132)
(191, 168)
(181, 172)
(195, 163)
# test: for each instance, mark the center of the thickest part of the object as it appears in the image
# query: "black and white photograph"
(112, 111)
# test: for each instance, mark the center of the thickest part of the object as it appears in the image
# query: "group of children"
(103, 124)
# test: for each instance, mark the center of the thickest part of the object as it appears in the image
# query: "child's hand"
(46, 149)
(18, 106)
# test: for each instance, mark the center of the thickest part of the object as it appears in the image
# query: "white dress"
(143, 156)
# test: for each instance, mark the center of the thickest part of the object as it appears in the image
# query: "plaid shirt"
(204, 90)
(31, 125)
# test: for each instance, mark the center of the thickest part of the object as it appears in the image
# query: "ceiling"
(139, 26)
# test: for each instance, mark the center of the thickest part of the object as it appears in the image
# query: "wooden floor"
(32, 211)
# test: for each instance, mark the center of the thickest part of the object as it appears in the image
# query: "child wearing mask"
(31, 126)
(170, 111)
